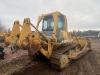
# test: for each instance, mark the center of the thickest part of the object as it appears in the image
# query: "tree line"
(2, 27)
(87, 33)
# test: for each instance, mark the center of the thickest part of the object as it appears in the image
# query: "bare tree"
(2, 27)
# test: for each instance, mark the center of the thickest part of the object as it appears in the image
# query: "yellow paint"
(26, 29)
(13, 36)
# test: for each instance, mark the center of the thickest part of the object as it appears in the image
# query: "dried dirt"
(87, 65)
(12, 62)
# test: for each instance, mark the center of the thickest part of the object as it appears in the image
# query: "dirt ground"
(12, 62)
(87, 65)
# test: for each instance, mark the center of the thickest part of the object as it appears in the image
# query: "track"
(87, 65)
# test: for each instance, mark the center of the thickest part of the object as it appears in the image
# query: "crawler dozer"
(54, 41)
(14, 35)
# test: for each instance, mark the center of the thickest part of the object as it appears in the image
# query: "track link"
(59, 58)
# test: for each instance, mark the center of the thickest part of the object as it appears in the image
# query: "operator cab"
(48, 26)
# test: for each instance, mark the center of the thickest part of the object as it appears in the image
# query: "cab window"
(48, 23)
(60, 22)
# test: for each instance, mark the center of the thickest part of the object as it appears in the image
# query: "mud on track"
(87, 65)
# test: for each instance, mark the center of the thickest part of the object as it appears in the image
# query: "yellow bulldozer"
(54, 41)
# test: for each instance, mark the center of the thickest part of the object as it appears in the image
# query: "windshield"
(48, 23)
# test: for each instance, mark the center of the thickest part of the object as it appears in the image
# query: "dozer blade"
(81, 53)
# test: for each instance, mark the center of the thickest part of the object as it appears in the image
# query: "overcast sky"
(81, 14)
